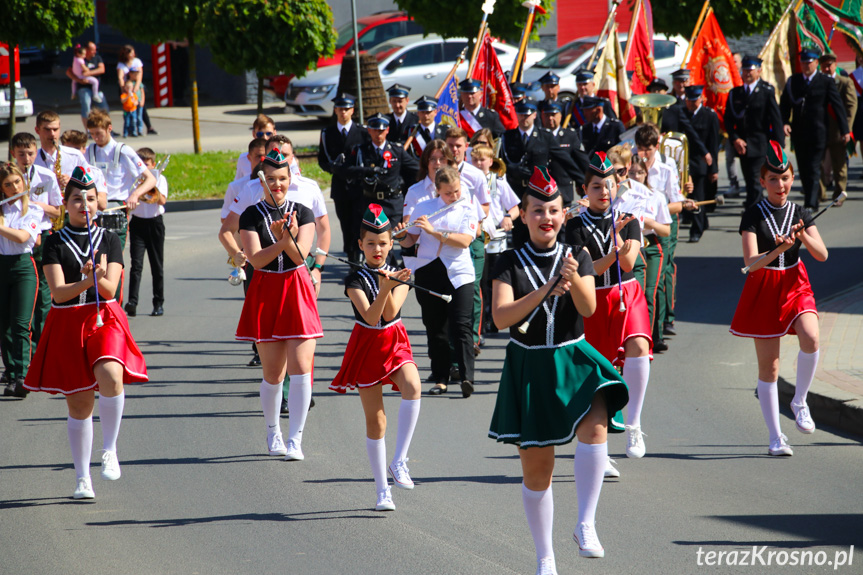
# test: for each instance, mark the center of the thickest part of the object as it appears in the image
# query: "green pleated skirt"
(545, 392)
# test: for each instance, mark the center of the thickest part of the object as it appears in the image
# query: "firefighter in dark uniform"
(674, 119)
(586, 87)
(337, 141)
(806, 101)
(519, 91)
(472, 111)
(427, 129)
(380, 172)
(599, 132)
(401, 120)
(550, 84)
(679, 81)
(704, 177)
(569, 178)
(752, 119)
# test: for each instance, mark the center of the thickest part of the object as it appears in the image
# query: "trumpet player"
(62, 160)
(148, 235)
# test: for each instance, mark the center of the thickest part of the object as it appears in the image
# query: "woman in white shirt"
(131, 68)
(443, 264)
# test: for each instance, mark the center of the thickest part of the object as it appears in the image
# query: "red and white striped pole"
(164, 95)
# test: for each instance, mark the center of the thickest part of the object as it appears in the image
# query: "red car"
(371, 31)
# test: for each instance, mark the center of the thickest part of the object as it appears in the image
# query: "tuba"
(672, 144)
(58, 222)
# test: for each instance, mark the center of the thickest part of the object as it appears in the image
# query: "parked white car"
(668, 55)
(416, 61)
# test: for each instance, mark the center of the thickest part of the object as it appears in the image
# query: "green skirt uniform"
(546, 391)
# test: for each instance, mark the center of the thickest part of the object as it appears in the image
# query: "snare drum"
(113, 221)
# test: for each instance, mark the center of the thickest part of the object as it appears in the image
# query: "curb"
(192, 205)
(829, 405)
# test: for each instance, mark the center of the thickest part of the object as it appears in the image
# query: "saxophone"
(58, 222)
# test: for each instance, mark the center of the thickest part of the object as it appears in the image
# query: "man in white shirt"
(48, 131)
(264, 127)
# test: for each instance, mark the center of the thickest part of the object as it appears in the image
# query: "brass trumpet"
(651, 107)
(679, 153)
(152, 196)
(58, 222)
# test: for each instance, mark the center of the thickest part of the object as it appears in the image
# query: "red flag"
(640, 48)
(712, 65)
(489, 71)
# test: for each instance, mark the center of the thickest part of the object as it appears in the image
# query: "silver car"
(416, 61)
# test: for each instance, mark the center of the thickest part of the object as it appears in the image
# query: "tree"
(268, 37)
(462, 18)
(50, 23)
(157, 21)
(737, 18)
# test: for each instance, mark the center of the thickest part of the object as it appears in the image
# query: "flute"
(430, 216)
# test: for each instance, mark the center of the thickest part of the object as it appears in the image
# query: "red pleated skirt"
(71, 344)
(608, 328)
(771, 301)
(280, 306)
(372, 356)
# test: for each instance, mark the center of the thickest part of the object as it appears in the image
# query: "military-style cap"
(398, 91)
(750, 62)
(378, 122)
(808, 55)
(693, 92)
(426, 104)
(526, 106)
(81, 179)
(681, 75)
(551, 108)
(550, 78)
(590, 102)
(518, 89)
(656, 85)
(583, 76)
(777, 161)
(542, 186)
(469, 86)
(276, 159)
(344, 100)
(601, 165)
(375, 220)
(827, 57)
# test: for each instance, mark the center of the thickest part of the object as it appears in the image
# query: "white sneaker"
(84, 489)
(610, 470)
(275, 444)
(385, 501)
(634, 442)
(401, 478)
(803, 418)
(588, 541)
(294, 452)
(110, 466)
(546, 566)
(98, 98)
(780, 446)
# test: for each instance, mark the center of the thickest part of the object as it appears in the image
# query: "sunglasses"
(481, 143)
(264, 134)
(620, 171)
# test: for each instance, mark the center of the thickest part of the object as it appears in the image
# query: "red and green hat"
(777, 160)
(542, 185)
(375, 220)
(276, 159)
(600, 164)
(81, 179)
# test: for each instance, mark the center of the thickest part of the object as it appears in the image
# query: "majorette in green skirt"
(545, 391)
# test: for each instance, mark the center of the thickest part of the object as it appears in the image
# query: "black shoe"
(694, 239)
(438, 389)
(466, 388)
(152, 132)
(9, 390)
(130, 310)
(255, 361)
(454, 375)
(668, 329)
(659, 346)
(158, 311)
(284, 406)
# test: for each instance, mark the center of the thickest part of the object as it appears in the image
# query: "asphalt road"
(199, 495)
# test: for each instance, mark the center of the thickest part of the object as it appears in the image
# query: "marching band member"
(77, 355)
(263, 128)
(69, 156)
(379, 352)
(256, 152)
(554, 384)
(280, 312)
(777, 298)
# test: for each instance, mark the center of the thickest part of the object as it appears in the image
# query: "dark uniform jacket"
(334, 145)
(578, 115)
(490, 119)
(542, 149)
(399, 131)
(608, 136)
(380, 176)
(706, 124)
(675, 119)
(438, 133)
(569, 175)
(754, 118)
(805, 106)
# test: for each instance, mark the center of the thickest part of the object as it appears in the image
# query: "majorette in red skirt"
(372, 355)
(608, 329)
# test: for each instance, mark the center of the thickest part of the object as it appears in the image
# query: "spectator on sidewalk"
(131, 68)
(95, 67)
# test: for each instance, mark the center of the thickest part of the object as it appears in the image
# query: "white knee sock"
(80, 432)
(539, 510)
(299, 398)
(110, 415)
(589, 466)
(271, 404)
(768, 397)
(636, 372)
(806, 365)
(409, 412)
(377, 450)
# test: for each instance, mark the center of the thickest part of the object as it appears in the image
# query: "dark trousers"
(648, 271)
(668, 281)
(477, 254)
(147, 235)
(446, 322)
(487, 323)
(751, 168)
(809, 158)
(345, 213)
(43, 294)
(18, 285)
(698, 217)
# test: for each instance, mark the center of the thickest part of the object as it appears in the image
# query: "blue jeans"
(130, 125)
(85, 96)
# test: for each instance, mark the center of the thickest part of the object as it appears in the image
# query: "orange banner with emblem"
(712, 65)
